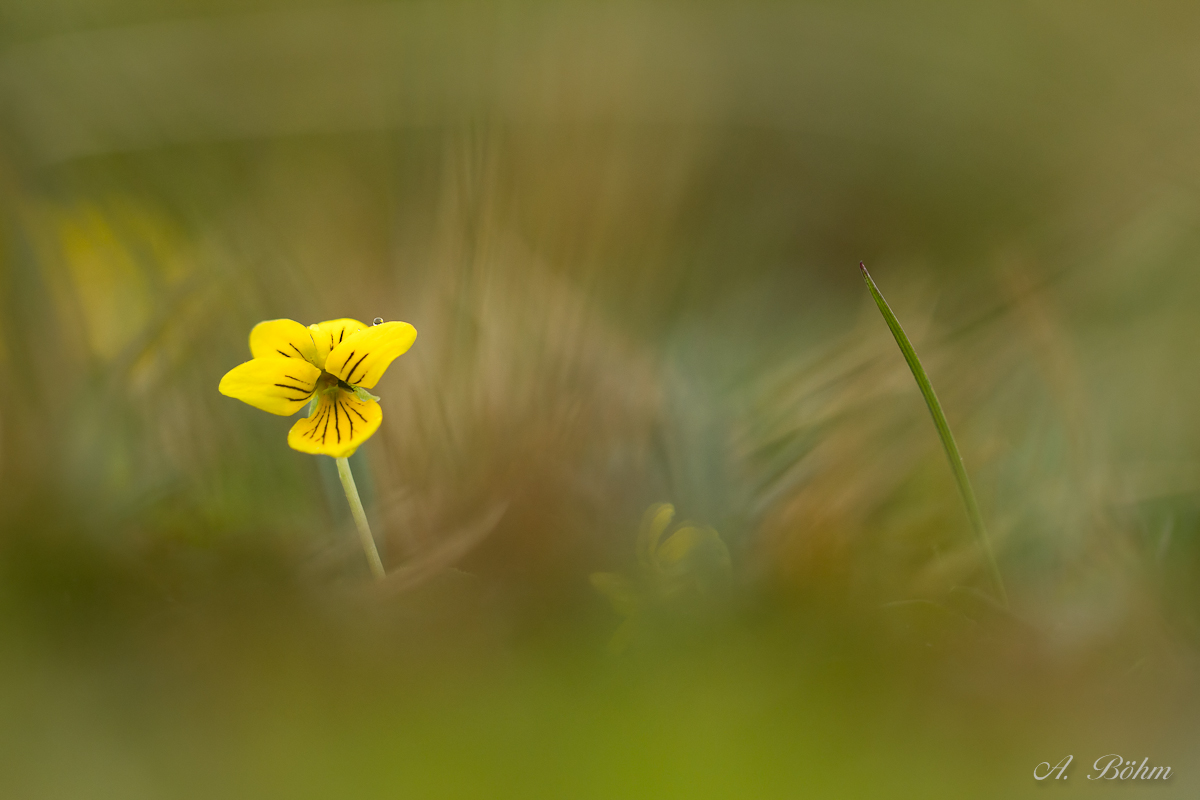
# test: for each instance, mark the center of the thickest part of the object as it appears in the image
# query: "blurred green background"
(628, 235)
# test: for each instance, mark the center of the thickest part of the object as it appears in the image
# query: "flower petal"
(363, 357)
(691, 546)
(283, 338)
(329, 334)
(654, 524)
(340, 423)
(279, 385)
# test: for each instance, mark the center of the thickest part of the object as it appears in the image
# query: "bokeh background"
(628, 234)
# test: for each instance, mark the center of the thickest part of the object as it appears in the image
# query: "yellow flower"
(330, 366)
(689, 558)
(689, 564)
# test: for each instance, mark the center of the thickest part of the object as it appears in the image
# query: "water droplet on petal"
(378, 321)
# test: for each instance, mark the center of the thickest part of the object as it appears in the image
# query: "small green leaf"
(618, 590)
(363, 395)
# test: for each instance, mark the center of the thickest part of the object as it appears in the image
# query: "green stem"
(943, 429)
(360, 518)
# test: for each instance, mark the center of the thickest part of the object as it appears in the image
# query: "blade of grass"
(943, 429)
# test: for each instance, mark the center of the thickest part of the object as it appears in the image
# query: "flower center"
(328, 382)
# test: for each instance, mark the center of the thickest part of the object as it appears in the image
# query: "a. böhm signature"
(1111, 767)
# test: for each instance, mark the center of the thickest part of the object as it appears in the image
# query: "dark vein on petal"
(325, 432)
(293, 377)
(297, 388)
(297, 349)
(356, 363)
(312, 432)
(351, 419)
(347, 361)
(285, 355)
(355, 410)
(340, 335)
(336, 419)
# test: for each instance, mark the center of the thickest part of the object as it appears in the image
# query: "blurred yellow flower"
(688, 564)
(330, 366)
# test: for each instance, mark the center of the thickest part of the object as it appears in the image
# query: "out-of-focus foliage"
(677, 575)
(628, 234)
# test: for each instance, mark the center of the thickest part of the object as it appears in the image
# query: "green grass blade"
(943, 429)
